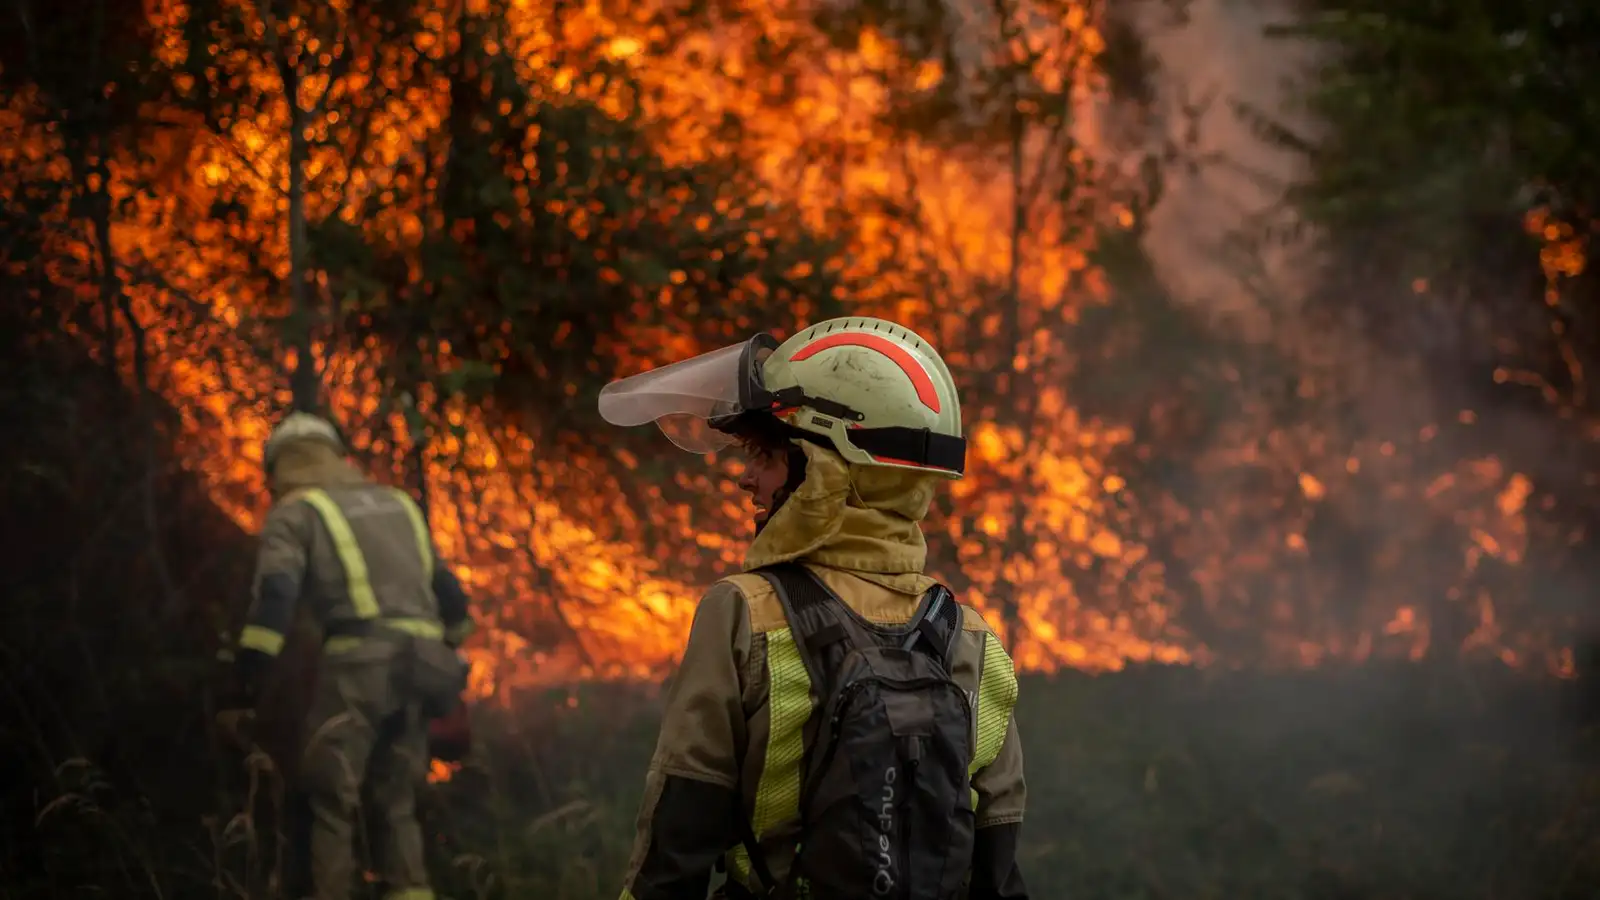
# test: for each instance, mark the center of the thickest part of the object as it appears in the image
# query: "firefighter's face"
(766, 469)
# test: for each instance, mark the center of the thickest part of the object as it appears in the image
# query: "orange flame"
(579, 571)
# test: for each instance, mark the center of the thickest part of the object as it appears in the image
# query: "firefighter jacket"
(356, 553)
(731, 738)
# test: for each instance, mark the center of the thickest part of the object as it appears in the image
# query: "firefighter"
(847, 429)
(359, 557)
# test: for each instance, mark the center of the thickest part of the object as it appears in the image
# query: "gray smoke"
(1224, 184)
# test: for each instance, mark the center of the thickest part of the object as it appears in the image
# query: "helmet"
(299, 426)
(872, 390)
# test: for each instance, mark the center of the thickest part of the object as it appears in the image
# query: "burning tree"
(464, 219)
(492, 209)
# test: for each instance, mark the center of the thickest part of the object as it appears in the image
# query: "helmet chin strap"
(797, 475)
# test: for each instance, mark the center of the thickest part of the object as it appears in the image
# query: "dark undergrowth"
(1384, 781)
(1372, 782)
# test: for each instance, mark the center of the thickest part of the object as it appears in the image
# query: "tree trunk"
(95, 177)
(304, 382)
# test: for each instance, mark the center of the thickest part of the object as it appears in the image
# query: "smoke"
(1217, 237)
(1401, 405)
(1223, 240)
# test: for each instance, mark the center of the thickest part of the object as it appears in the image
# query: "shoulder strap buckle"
(937, 621)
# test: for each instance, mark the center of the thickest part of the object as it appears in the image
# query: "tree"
(82, 80)
(1456, 193)
(433, 218)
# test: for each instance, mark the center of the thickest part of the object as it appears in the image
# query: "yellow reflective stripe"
(458, 633)
(341, 644)
(344, 544)
(254, 637)
(778, 796)
(626, 895)
(416, 893)
(789, 705)
(997, 696)
(424, 628)
(420, 528)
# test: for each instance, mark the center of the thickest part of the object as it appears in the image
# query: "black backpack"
(885, 801)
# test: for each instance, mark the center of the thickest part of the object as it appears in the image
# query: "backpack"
(885, 798)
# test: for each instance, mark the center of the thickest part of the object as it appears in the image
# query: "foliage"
(1457, 203)
(1402, 462)
(1453, 168)
(105, 655)
(1484, 94)
(491, 209)
(430, 217)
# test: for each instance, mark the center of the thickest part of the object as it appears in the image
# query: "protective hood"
(303, 465)
(862, 519)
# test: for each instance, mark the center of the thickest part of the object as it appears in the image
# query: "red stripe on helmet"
(907, 363)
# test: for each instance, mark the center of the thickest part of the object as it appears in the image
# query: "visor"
(693, 400)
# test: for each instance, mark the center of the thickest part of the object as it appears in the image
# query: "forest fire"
(586, 564)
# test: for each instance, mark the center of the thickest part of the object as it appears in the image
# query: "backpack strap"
(938, 621)
(812, 611)
(758, 858)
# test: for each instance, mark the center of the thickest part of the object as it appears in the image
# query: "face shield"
(694, 400)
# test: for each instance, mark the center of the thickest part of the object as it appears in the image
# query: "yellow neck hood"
(863, 519)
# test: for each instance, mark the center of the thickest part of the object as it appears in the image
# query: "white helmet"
(874, 391)
(299, 426)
